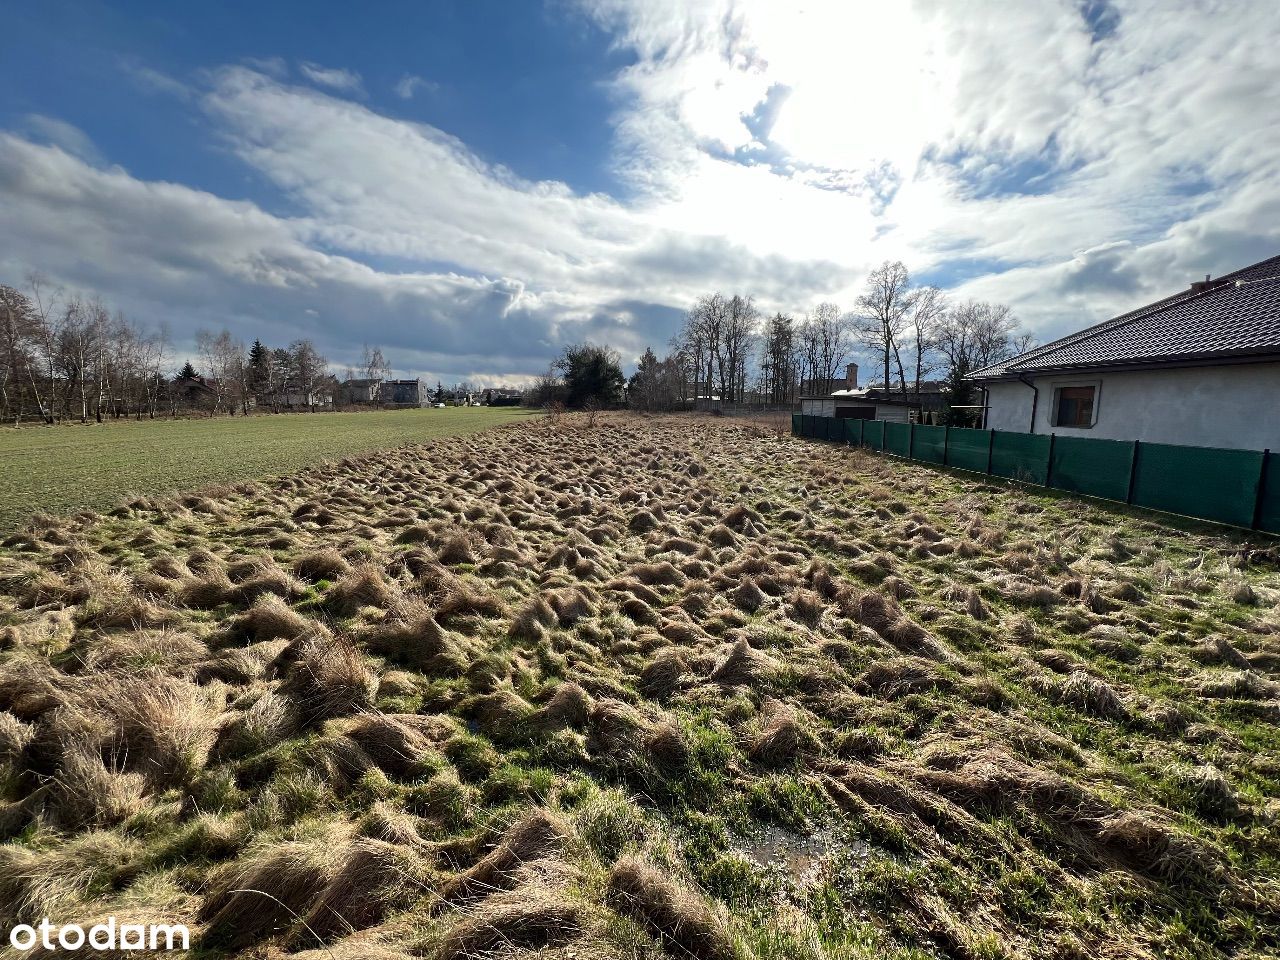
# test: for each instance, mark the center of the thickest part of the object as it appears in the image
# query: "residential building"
(1199, 368)
(361, 391)
(404, 393)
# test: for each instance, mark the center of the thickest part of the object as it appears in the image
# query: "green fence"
(1237, 487)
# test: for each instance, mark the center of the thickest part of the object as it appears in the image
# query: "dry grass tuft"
(329, 679)
(517, 922)
(261, 893)
(741, 664)
(539, 834)
(677, 917)
(1092, 695)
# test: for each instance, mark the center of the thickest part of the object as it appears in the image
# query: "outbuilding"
(1200, 368)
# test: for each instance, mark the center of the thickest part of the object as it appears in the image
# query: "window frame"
(1095, 385)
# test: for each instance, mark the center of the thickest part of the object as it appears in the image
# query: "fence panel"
(835, 429)
(897, 438)
(1020, 456)
(873, 436)
(1269, 502)
(853, 431)
(806, 425)
(967, 449)
(1202, 482)
(797, 424)
(1099, 468)
(930, 444)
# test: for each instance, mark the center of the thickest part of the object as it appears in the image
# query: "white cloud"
(335, 78)
(1071, 169)
(409, 84)
(61, 134)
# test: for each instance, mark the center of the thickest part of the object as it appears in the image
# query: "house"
(361, 391)
(297, 398)
(195, 391)
(404, 393)
(1200, 368)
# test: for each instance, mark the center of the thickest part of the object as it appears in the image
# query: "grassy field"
(659, 687)
(95, 466)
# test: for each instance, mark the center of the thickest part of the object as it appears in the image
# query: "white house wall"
(1236, 406)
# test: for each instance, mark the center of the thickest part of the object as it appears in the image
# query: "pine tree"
(259, 373)
(188, 372)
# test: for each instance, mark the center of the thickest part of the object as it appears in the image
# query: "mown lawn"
(67, 468)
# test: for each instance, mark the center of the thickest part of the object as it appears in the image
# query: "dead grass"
(662, 685)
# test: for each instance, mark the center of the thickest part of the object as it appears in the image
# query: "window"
(1075, 406)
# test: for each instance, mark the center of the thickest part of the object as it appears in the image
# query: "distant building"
(361, 391)
(403, 393)
(1200, 368)
(296, 398)
(824, 388)
(859, 406)
(195, 391)
(929, 395)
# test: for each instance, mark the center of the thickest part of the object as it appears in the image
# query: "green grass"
(79, 467)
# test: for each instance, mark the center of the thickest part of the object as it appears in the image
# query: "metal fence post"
(1048, 461)
(1261, 491)
(911, 440)
(1133, 471)
(991, 449)
(946, 442)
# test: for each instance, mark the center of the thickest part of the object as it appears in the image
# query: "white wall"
(1235, 406)
(818, 407)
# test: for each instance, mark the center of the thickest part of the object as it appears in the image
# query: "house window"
(1075, 406)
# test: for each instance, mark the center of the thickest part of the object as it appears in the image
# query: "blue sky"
(475, 184)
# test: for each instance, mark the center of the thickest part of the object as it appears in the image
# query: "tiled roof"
(1237, 316)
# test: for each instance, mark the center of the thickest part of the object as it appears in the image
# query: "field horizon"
(74, 466)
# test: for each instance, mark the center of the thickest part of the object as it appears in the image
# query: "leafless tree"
(883, 307)
(225, 359)
(928, 306)
(833, 340)
(309, 369)
(778, 359)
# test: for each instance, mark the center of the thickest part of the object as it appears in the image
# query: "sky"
(472, 185)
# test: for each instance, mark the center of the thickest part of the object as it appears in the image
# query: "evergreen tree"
(592, 376)
(259, 372)
(438, 396)
(188, 372)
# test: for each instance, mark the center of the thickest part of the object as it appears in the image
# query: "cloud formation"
(1071, 160)
(335, 78)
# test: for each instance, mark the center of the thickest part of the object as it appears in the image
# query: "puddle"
(799, 857)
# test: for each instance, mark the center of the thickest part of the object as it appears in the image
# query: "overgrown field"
(66, 468)
(648, 687)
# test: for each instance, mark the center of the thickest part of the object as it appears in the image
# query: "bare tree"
(928, 305)
(739, 330)
(883, 307)
(309, 368)
(225, 359)
(778, 359)
(832, 341)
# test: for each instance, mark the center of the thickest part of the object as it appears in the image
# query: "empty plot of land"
(57, 469)
(653, 687)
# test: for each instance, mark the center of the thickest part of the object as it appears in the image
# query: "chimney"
(1198, 286)
(851, 377)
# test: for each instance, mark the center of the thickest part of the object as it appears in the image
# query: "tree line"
(728, 352)
(72, 358)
